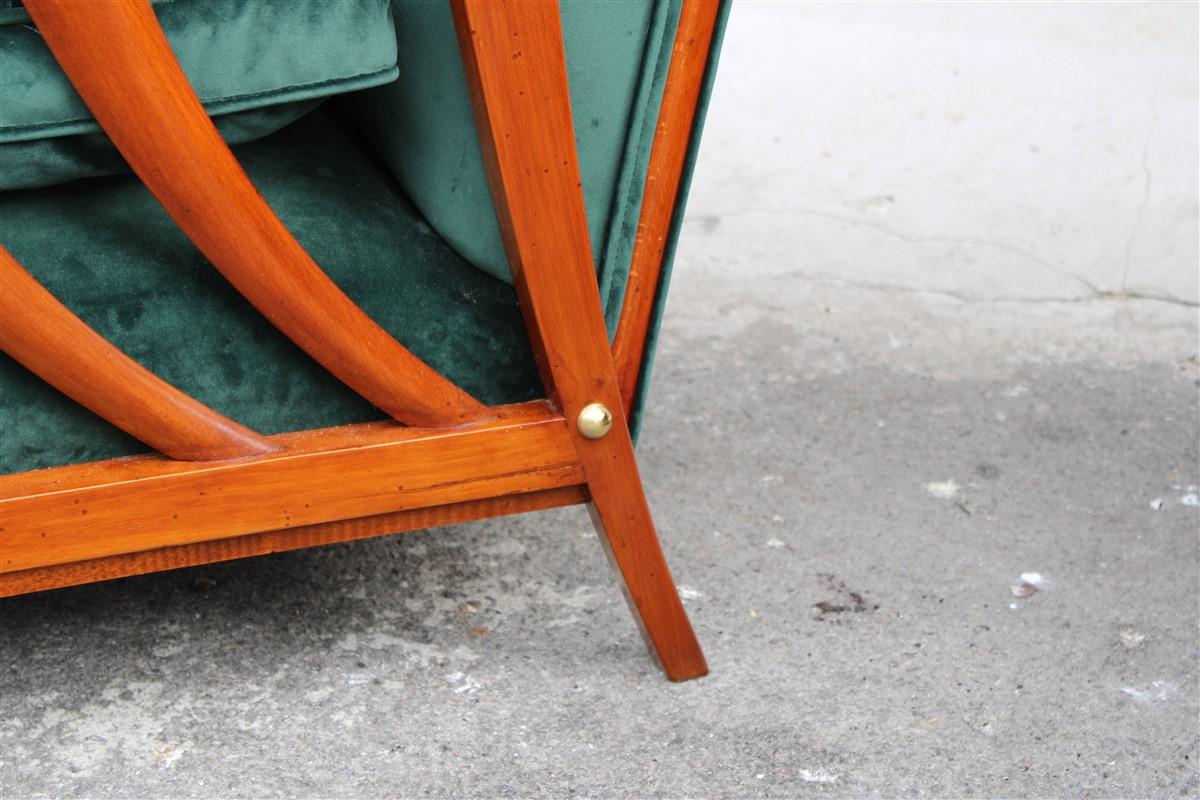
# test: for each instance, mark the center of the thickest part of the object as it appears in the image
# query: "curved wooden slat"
(39, 332)
(119, 61)
(689, 59)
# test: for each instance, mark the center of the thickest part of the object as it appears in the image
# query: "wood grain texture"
(58, 347)
(189, 555)
(119, 61)
(672, 137)
(368, 434)
(515, 67)
(59, 516)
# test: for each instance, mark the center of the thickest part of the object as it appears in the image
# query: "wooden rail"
(128, 505)
(210, 551)
(58, 347)
(119, 61)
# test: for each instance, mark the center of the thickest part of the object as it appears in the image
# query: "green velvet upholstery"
(617, 54)
(638, 407)
(107, 250)
(114, 257)
(256, 64)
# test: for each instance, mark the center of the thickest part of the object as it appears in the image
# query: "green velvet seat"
(384, 187)
(115, 258)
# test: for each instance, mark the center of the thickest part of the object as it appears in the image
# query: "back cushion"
(255, 64)
(617, 55)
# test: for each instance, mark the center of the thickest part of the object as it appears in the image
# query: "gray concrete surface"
(853, 460)
(985, 150)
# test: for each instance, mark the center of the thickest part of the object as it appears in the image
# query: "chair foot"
(622, 518)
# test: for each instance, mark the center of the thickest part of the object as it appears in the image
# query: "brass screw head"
(595, 421)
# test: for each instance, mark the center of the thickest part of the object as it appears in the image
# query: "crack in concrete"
(1094, 293)
(916, 241)
(1147, 180)
(1095, 297)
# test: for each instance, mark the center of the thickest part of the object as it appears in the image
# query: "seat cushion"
(107, 250)
(256, 64)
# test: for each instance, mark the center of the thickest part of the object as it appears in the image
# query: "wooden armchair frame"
(220, 491)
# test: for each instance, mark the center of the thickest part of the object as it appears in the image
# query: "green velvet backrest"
(422, 123)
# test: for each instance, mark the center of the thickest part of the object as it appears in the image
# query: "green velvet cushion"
(617, 53)
(256, 64)
(114, 257)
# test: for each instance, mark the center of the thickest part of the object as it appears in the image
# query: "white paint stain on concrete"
(818, 775)
(463, 683)
(1154, 692)
(688, 593)
(943, 490)
(1131, 638)
(1190, 497)
(1027, 585)
(775, 543)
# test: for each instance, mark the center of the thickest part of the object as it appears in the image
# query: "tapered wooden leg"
(516, 70)
(623, 522)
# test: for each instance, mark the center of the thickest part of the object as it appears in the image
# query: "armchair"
(339, 332)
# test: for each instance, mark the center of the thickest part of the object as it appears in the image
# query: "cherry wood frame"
(231, 493)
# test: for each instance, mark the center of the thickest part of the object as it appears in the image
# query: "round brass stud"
(594, 421)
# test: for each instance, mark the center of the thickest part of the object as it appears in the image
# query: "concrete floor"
(871, 418)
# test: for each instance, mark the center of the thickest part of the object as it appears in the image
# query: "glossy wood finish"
(227, 549)
(119, 61)
(516, 70)
(672, 137)
(58, 347)
(129, 505)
